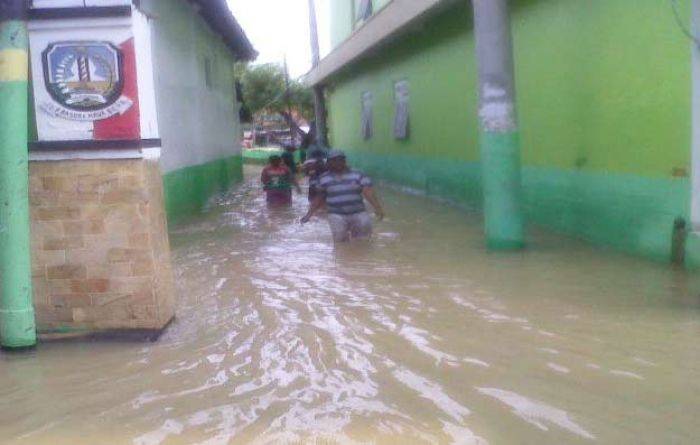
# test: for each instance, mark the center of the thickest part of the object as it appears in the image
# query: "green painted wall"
(343, 13)
(604, 101)
(188, 190)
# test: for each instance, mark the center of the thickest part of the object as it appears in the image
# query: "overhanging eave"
(391, 22)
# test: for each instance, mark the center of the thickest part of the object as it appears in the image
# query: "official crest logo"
(85, 79)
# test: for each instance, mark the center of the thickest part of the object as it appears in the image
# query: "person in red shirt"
(277, 182)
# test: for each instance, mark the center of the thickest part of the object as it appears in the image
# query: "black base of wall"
(110, 335)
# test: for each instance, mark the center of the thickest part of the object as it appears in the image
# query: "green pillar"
(499, 136)
(17, 325)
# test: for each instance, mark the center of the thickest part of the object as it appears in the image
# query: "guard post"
(499, 136)
(17, 324)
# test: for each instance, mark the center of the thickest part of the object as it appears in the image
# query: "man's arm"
(368, 193)
(316, 205)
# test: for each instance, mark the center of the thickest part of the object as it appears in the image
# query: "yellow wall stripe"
(14, 65)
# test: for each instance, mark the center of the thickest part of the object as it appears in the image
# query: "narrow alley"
(418, 336)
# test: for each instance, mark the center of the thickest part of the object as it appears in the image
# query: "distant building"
(605, 92)
(273, 130)
(136, 117)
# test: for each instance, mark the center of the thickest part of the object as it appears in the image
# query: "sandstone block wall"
(101, 255)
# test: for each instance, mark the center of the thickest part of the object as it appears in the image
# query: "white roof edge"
(381, 27)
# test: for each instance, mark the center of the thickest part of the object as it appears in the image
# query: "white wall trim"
(73, 155)
(148, 114)
(73, 23)
(152, 154)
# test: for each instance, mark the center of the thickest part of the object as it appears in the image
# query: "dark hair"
(319, 155)
(274, 158)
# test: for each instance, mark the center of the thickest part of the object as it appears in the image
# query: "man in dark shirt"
(343, 191)
(314, 167)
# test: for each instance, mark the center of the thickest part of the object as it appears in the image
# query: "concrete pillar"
(319, 98)
(500, 144)
(17, 325)
(695, 174)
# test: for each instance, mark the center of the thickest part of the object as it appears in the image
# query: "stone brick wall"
(101, 256)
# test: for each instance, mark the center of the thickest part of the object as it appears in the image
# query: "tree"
(265, 92)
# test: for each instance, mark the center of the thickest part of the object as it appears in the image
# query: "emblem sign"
(85, 80)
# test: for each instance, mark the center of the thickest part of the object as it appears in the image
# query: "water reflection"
(419, 336)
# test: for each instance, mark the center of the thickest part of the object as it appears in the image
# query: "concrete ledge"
(390, 22)
(80, 12)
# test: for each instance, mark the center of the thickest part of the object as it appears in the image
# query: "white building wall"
(143, 45)
(198, 124)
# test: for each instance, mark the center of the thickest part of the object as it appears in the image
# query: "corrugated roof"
(220, 19)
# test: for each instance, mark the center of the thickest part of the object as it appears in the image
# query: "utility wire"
(684, 28)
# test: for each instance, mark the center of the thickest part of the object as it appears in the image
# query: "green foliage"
(265, 91)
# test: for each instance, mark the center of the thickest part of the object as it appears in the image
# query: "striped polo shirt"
(344, 191)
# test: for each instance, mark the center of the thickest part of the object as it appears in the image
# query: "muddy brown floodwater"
(419, 336)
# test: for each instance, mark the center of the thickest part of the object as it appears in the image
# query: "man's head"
(311, 166)
(318, 154)
(275, 160)
(336, 161)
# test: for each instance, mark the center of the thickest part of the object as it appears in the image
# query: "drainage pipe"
(17, 324)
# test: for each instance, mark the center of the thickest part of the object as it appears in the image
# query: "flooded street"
(419, 336)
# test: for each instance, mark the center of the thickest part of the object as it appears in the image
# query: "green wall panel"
(604, 104)
(628, 212)
(188, 190)
(442, 80)
(603, 84)
(341, 21)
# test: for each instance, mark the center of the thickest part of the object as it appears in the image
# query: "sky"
(281, 27)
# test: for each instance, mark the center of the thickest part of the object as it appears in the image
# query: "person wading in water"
(277, 182)
(313, 168)
(288, 158)
(343, 192)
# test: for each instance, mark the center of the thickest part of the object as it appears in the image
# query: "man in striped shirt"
(343, 192)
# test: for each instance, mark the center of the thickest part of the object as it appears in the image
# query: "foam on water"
(536, 413)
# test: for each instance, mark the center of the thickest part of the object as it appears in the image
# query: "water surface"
(419, 336)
